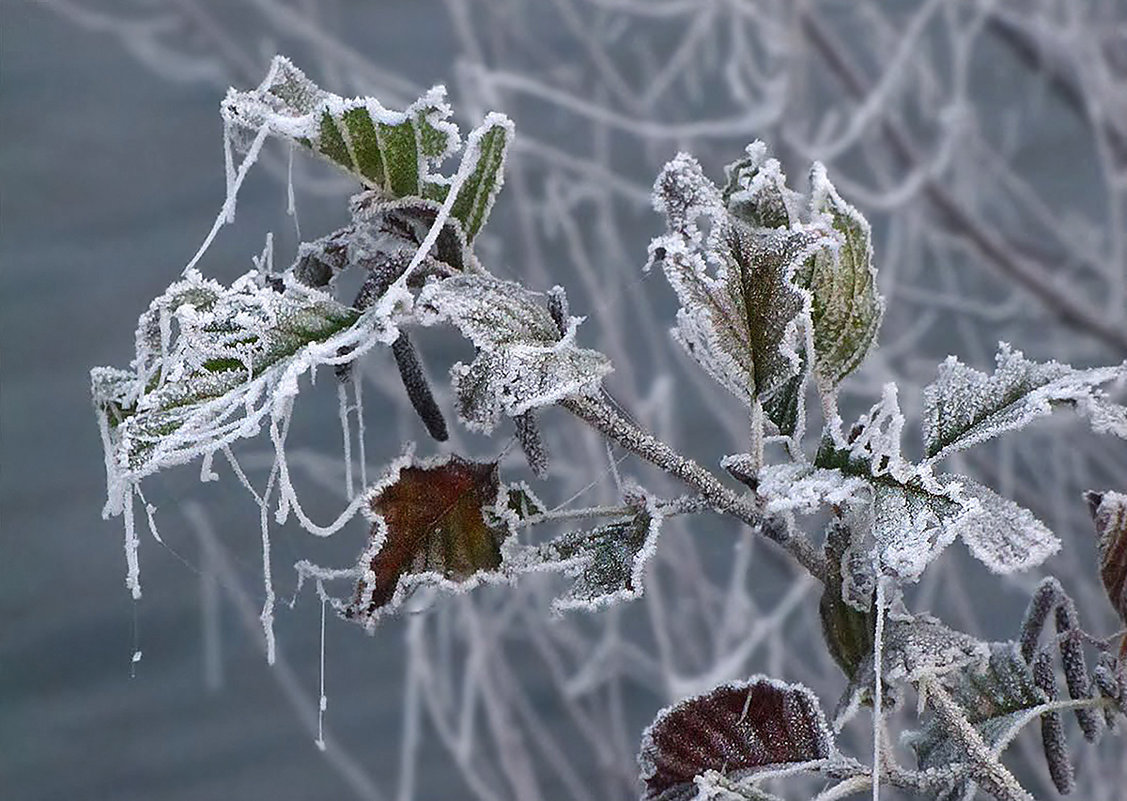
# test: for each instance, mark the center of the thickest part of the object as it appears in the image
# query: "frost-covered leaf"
(965, 406)
(486, 146)
(797, 487)
(434, 522)
(736, 729)
(1002, 535)
(916, 646)
(522, 501)
(846, 309)
(741, 314)
(994, 696)
(383, 229)
(916, 514)
(1109, 511)
(395, 152)
(755, 189)
(786, 408)
(608, 562)
(387, 150)
(210, 364)
(523, 362)
(911, 509)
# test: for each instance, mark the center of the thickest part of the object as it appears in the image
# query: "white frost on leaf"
(965, 406)
(916, 514)
(756, 190)
(719, 744)
(213, 363)
(742, 316)
(523, 361)
(1002, 535)
(846, 308)
(796, 487)
(608, 562)
(437, 523)
(397, 153)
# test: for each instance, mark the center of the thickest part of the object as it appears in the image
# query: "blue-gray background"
(110, 177)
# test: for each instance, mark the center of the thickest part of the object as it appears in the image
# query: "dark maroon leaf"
(735, 729)
(1109, 510)
(431, 521)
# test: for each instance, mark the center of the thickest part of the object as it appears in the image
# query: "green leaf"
(433, 522)
(849, 632)
(847, 309)
(741, 315)
(387, 150)
(916, 514)
(393, 152)
(965, 407)
(755, 189)
(786, 408)
(522, 501)
(486, 146)
(209, 359)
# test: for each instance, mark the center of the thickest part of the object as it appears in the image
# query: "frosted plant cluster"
(778, 301)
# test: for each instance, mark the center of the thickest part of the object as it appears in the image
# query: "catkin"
(1075, 666)
(1042, 602)
(528, 435)
(1052, 728)
(418, 388)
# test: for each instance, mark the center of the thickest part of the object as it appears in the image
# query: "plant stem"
(993, 774)
(604, 419)
(756, 433)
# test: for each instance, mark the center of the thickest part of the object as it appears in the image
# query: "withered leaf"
(433, 522)
(1109, 511)
(735, 729)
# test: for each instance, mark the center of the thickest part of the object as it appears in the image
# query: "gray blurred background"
(986, 141)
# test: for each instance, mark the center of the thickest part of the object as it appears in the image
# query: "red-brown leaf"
(428, 519)
(1109, 511)
(735, 728)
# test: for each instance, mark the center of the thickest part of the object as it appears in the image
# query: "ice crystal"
(965, 406)
(802, 488)
(523, 361)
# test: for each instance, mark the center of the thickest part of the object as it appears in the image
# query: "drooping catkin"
(1075, 666)
(1042, 602)
(381, 274)
(1052, 728)
(417, 386)
(528, 435)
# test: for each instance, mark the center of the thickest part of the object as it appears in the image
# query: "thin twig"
(604, 419)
